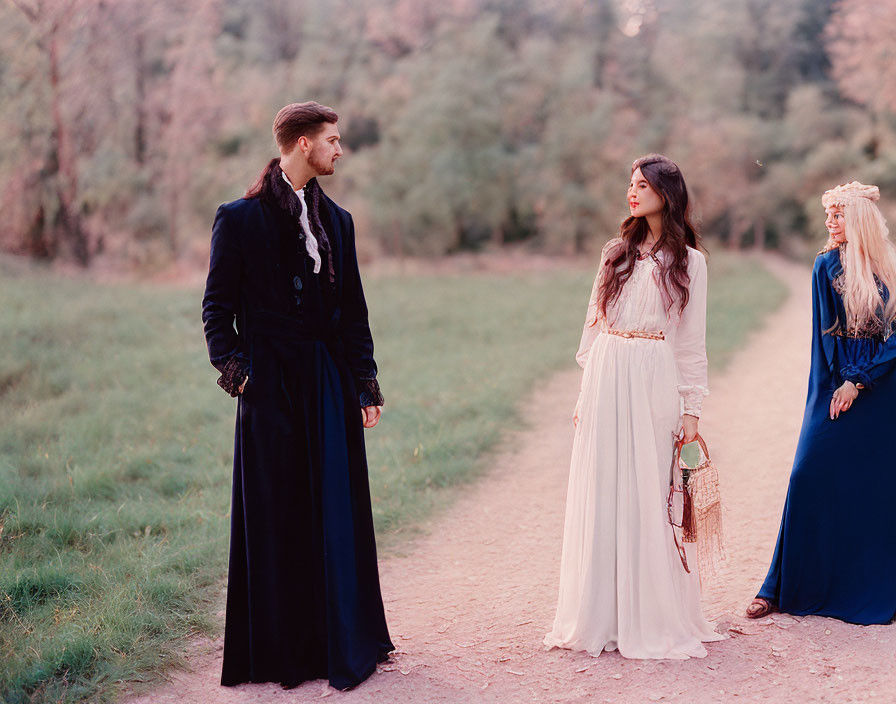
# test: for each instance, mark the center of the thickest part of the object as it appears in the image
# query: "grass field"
(115, 446)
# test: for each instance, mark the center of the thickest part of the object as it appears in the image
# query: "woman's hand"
(370, 416)
(843, 398)
(689, 428)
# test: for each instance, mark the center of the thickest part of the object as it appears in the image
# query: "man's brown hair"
(293, 121)
(300, 120)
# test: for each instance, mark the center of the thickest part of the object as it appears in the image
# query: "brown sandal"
(760, 607)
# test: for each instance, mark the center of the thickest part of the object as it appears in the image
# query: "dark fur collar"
(278, 192)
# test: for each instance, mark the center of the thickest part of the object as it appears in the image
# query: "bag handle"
(676, 467)
(681, 553)
(680, 443)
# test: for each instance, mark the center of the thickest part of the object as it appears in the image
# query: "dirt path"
(468, 604)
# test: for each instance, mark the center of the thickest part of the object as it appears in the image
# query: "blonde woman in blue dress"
(622, 584)
(836, 549)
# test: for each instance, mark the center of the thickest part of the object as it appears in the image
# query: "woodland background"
(468, 124)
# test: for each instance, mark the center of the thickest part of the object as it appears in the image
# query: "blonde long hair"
(868, 253)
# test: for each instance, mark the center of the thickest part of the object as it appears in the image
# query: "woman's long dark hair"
(678, 234)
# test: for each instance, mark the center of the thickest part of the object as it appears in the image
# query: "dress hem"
(342, 686)
(826, 613)
(575, 646)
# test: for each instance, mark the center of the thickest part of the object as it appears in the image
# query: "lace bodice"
(640, 306)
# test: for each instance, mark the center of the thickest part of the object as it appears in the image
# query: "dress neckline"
(649, 257)
(651, 254)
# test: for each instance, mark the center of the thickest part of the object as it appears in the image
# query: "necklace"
(643, 255)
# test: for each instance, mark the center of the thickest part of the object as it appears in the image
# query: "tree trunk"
(759, 234)
(174, 213)
(398, 245)
(498, 237)
(735, 233)
(140, 98)
(579, 239)
(68, 221)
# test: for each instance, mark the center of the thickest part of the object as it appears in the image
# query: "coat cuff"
(369, 392)
(234, 374)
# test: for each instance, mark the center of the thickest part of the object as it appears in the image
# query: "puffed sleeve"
(866, 360)
(591, 329)
(220, 303)
(355, 328)
(824, 312)
(861, 360)
(593, 326)
(690, 339)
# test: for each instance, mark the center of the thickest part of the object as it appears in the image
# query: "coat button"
(297, 282)
(298, 300)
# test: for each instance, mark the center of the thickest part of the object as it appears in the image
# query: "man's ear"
(304, 144)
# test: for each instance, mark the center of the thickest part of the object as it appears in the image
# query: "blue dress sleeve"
(866, 360)
(862, 360)
(824, 312)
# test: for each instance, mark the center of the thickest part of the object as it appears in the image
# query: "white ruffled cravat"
(310, 239)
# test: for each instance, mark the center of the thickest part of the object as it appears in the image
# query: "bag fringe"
(702, 517)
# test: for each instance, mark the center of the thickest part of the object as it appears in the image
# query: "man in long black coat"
(303, 594)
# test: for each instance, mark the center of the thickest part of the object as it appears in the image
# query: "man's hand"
(370, 416)
(843, 398)
(689, 428)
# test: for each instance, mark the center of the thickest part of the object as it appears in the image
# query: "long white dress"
(622, 584)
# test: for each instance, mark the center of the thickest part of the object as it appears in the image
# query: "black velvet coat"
(303, 594)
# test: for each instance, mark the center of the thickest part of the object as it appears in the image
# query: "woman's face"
(836, 223)
(642, 199)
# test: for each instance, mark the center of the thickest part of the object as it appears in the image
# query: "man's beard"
(323, 166)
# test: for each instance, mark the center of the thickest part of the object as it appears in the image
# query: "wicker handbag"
(694, 506)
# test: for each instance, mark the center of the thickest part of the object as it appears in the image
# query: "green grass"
(115, 447)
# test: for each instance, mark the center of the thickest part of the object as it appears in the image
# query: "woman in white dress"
(622, 583)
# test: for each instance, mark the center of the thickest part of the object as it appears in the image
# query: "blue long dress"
(836, 550)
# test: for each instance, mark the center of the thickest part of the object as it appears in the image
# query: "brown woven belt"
(628, 334)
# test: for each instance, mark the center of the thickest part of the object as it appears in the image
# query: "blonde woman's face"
(836, 223)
